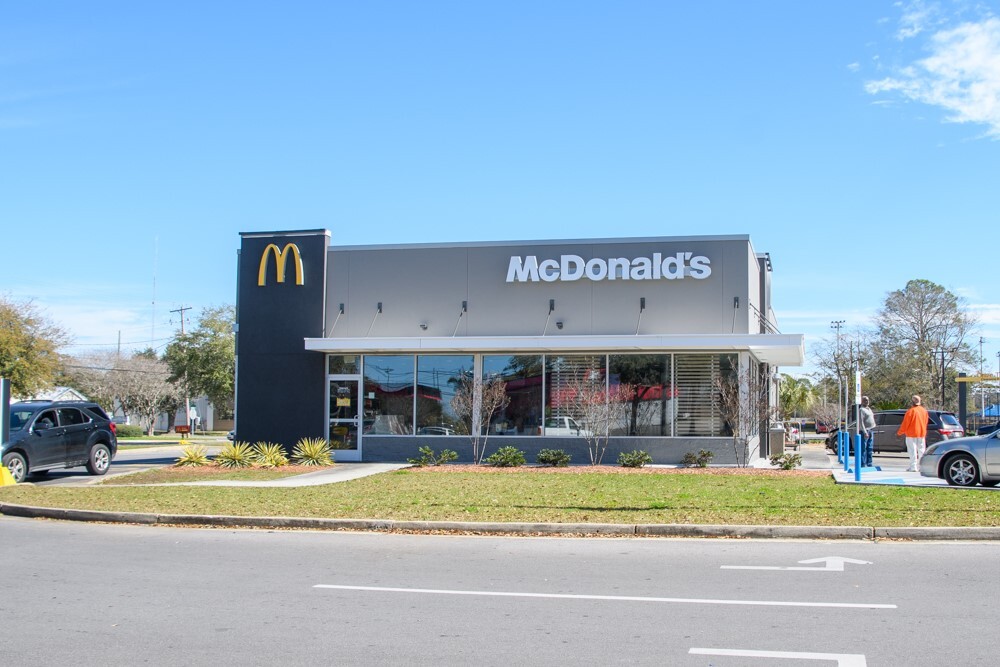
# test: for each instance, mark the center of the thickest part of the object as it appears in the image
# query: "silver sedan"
(964, 461)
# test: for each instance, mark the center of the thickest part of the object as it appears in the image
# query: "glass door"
(344, 417)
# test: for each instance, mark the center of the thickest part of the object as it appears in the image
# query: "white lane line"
(842, 659)
(611, 598)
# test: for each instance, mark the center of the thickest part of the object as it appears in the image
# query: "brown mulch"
(219, 470)
(619, 470)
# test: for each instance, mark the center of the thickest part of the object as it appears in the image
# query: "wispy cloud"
(917, 17)
(961, 75)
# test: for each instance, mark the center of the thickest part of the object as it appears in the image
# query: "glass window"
(18, 418)
(71, 417)
(388, 395)
(522, 374)
(642, 382)
(438, 378)
(46, 420)
(697, 374)
(575, 389)
(343, 364)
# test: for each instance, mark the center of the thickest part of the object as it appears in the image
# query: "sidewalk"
(340, 472)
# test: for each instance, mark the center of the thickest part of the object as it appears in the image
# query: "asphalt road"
(91, 594)
(126, 460)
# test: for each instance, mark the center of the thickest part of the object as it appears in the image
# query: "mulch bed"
(619, 470)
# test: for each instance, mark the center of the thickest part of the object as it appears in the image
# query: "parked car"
(565, 426)
(45, 435)
(987, 429)
(435, 430)
(964, 461)
(941, 425)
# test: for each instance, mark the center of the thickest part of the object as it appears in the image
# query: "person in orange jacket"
(914, 429)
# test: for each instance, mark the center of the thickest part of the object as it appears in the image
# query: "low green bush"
(786, 461)
(700, 460)
(235, 455)
(193, 455)
(553, 457)
(506, 457)
(312, 452)
(429, 458)
(129, 431)
(634, 459)
(269, 455)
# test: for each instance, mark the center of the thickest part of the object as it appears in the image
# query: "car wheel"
(100, 459)
(17, 465)
(961, 470)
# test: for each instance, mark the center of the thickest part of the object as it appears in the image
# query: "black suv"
(941, 425)
(59, 434)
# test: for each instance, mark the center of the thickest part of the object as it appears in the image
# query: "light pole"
(836, 324)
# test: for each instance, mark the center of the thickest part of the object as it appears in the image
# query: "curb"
(497, 528)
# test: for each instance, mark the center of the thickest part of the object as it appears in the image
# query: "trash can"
(776, 441)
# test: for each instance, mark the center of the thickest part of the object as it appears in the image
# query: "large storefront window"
(438, 378)
(574, 386)
(523, 377)
(388, 394)
(642, 382)
(697, 375)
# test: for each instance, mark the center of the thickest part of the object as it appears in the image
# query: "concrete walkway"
(341, 472)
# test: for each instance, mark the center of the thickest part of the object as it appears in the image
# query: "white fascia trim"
(775, 349)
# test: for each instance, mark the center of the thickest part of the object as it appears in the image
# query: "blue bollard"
(857, 458)
(847, 450)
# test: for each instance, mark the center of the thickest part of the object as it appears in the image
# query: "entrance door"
(345, 417)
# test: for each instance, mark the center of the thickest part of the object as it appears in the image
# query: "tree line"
(139, 384)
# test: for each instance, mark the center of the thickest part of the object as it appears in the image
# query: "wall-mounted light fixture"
(642, 307)
(465, 309)
(559, 324)
(340, 312)
(552, 307)
(423, 326)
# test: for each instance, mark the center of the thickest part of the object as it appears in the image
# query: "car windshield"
(18, 418)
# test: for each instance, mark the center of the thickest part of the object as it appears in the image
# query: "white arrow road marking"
(833, 564)
(612, 598)
(842, 659)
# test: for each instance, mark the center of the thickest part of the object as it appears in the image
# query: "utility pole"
(942, 352)
(187, 399)
(836, 324)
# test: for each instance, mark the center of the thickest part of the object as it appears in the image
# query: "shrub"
(553, 457)
(786, 461)
(235, 455)
(312, 452)
(129, 431)
(506, 457)
(193, 455)
(269, 455)
(429, 458)
(701, 459)
(634, 459)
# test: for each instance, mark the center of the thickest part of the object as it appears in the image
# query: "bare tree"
(742, 398)
(475, 402)
(599, 408)
(143, 388)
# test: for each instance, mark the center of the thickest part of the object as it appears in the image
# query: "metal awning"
(774, 349)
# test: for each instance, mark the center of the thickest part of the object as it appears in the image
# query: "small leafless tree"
(742, 398)
(489, 396)
(142, 386)
(600, 408)
(827, 413)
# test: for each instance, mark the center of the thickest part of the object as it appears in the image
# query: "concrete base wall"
(667, 451)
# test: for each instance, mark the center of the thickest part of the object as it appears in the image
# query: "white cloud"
(961, 75)
(854, 67)
(917, 17)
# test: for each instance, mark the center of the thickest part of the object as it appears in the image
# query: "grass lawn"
(576, 495)
(174, 474)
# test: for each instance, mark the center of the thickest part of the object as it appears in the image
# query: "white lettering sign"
(573, 267)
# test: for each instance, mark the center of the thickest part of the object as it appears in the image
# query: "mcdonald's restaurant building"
(374, 347)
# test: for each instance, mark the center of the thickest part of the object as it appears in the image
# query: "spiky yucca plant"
(236, 455)
(312, 452)
(269, 455)
(193, 455)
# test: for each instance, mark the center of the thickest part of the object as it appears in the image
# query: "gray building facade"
(377, 347)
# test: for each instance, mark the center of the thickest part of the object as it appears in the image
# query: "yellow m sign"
(280, 257)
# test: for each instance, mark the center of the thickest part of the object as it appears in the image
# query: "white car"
(565, 426)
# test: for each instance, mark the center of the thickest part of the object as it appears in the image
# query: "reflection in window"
(643, 381)
(570, 384)
(438, 377)
(388, 394)
(343, 364)
(523, 377)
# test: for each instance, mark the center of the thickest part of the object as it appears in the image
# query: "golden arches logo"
(280, 257)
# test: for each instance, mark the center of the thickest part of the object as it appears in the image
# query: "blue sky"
(858, 142)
